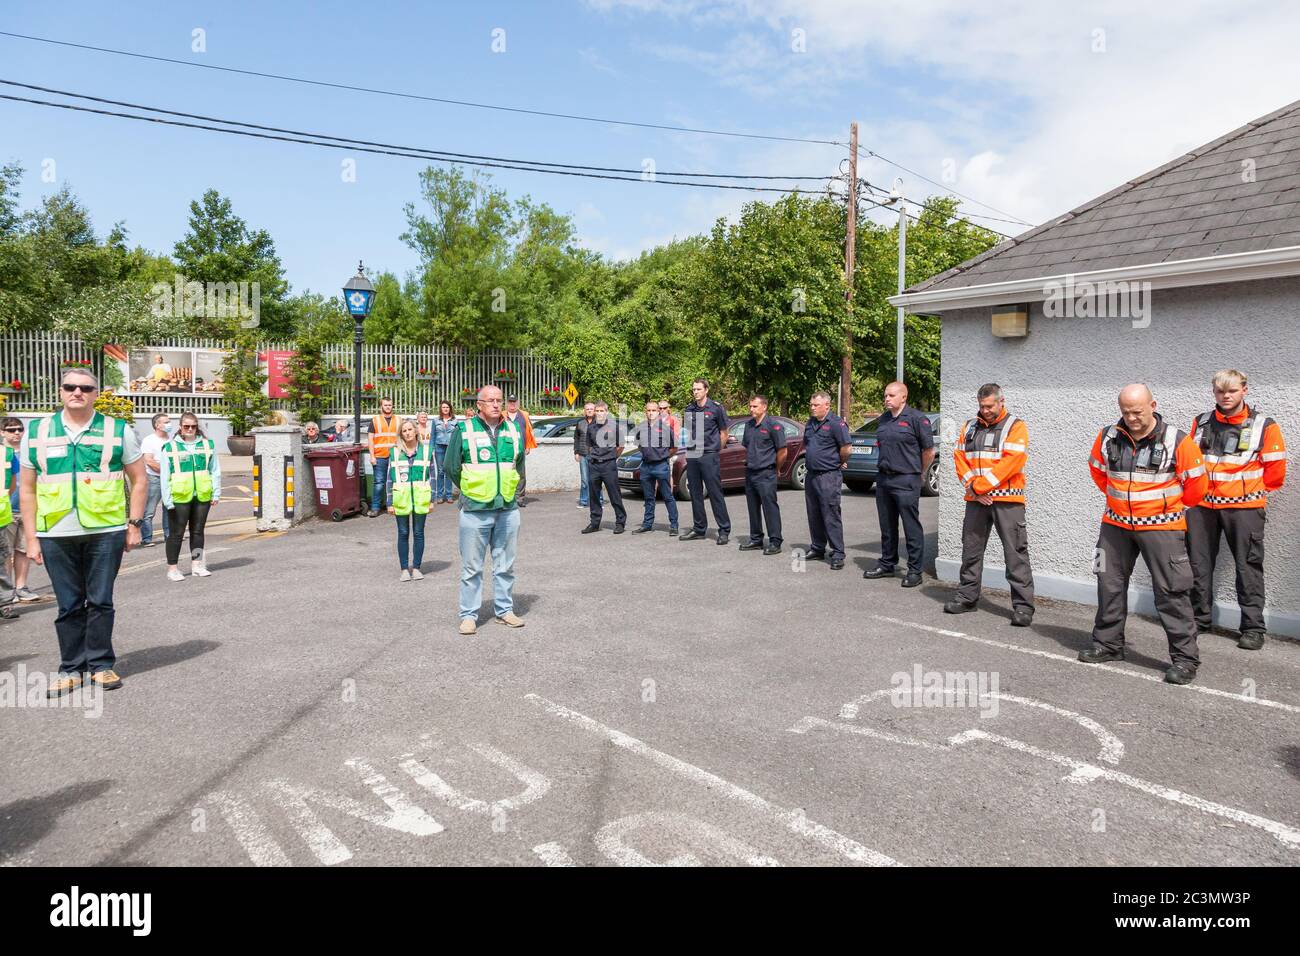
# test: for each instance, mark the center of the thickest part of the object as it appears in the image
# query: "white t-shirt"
(152, 445)
(70, 525)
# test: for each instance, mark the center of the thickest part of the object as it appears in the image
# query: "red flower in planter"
(17, 385)
(368, 387)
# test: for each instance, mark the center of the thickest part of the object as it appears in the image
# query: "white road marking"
(793, 820)
(535, 785)
(1111, 668)
(611, 840)
(1112, 748)
(1081, 771)
(552, 854)
(251, 833)
(402, 815)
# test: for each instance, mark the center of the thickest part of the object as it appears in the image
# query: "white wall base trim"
(1084, 591)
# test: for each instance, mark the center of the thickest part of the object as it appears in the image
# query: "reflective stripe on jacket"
(1148, 484)
(410, 477)
(990, 459)
(189, 469)
(1245, 458)
(383, 435)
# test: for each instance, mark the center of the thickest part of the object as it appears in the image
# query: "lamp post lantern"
(358, 296)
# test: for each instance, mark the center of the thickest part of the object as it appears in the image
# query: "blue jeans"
(442, 486)
(654, 479)
(584, 470)
(82, 570)
(377, 498)
(155, 499)
(478, 529)
(410, 528)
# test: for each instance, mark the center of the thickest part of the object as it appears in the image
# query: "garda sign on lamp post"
(358, 297)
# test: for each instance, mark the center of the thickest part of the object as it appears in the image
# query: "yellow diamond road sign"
(571, 393)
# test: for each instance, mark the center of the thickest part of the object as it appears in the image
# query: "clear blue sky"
(996, 104)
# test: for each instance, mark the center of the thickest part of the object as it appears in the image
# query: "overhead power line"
(401, 151)
(873, 154)
(420, 96)
(919, 202)
(363, 142)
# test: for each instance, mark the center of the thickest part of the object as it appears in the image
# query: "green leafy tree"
(243, 402)
(769, 293)
(319, 322)
(220, 247)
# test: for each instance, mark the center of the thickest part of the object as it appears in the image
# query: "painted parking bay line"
(1034, 652)
(792, 820)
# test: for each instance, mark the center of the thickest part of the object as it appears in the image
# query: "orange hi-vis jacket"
(1148, 484)
(990, 459)
(1245, 457)
(384, 434)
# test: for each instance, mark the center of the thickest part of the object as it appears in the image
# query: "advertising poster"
(174, 371)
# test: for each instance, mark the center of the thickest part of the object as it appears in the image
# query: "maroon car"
(731, 461)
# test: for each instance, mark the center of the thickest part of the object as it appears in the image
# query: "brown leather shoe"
(107, 680)
(510, 619)
(64, 685)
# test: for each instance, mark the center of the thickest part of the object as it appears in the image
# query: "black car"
(864, 461)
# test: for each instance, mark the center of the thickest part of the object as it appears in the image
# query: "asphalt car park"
(667, 703)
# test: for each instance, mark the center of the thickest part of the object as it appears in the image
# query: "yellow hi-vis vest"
(189, 469)
(412, 488)
(83, 473)
(6, 512)
(487, 469)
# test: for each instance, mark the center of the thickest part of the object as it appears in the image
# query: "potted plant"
(75, 364)
(243, 403)
(504, 375)
(388, 372)
(468, 392)
(426, 375)
(14, 387)
(553, 395)
(340, 371)
(369, 392)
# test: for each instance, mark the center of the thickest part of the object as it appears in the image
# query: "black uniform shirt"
(603, 441)
(822, 441)
(761, 442)
(705, 425)
(654, 439)
(902, 438)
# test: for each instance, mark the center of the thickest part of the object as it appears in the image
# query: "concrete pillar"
(283, 492)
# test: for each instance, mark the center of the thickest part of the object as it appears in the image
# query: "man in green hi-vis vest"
(75, 465)
(484, 459)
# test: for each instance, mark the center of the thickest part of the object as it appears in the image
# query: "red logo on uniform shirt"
(708, 414)
(903, 423)
(825, 428)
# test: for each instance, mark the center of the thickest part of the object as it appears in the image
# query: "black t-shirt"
(705, 425)
(655, 438)
(822, 441)
(902, 438)
(603, 441)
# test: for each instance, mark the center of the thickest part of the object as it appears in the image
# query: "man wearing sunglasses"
(75, 465)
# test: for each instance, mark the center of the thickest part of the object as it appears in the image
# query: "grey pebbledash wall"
(1063, 379)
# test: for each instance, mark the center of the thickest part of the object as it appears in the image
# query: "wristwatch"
(136, 523)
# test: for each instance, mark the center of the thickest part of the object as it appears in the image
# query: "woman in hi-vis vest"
(189, 477)
(410, 478)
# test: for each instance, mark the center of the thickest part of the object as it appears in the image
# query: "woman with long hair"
(189, 477)
(444, 426)
(411, 477)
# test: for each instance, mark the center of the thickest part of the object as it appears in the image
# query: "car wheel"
(859, 484)
(930, 487)
(683, 488)
(799, 473)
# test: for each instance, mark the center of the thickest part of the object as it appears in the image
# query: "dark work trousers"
(523, 477)
(82, 569)
(760, 495)
(604, 473)
(703, 475)
(1165, 554)
(193, 514)
(1009, 520)
(899, 496)
(821, 495)
(1244, 529)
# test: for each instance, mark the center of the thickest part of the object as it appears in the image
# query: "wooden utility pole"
(850, 256)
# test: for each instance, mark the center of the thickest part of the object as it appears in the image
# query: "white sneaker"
(406, 575)
(200, 570)
(175, 575)
(416, 575)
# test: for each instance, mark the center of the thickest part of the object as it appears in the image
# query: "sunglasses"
(18, 429)
(189, 425)
(84, 389)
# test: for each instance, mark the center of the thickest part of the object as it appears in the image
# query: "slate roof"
(1196, 205)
